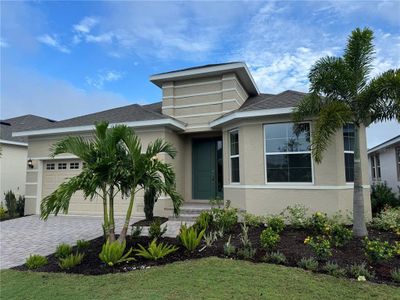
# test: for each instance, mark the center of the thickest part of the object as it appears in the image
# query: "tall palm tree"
(341, 92)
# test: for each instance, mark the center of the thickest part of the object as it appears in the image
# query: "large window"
(375, 167)
(234, 155)
(287, 152)
(348, 142)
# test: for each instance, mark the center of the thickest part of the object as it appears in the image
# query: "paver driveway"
(29, 235)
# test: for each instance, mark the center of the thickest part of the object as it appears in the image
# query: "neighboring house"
(384, 163)
(233, 142)
(14, 151)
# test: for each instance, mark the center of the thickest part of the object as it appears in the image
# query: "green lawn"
(210, 278)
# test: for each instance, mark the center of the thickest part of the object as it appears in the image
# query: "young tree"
(342, 92)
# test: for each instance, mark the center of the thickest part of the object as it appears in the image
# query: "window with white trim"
(398, 162)
(375, 167)
(62, 166)
(74, 165)
(50, 166)
(287, 152)
(348, 145)
(234, 155)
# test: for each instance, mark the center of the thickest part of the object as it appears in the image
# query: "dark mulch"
(149, 222)
(291, 245)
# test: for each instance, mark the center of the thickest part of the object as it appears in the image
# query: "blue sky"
(63, 59)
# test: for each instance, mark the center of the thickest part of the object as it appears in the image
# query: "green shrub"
(246, 253)
(229, 249)
(296, 216)
(308, 264)
(253, 220)
(190, 238)
(275, 257)
(3, 211)
(155, 230)
(63, 250)
(244, 236)
(339, 234)
(269, 238)
(334, 269)
(395, 275)
(112, 253)
(382, 196)
(35, 261)
(136, 231)
(388, 219)
(277, 223)
(357, 270)
(20, 209)
(377, 250)
(204, 220)
(225, 219)
(71, 261)
(155, 251)
(210, 238)
(82, 245)
(321, 246)
(11, 203)
(318, 222)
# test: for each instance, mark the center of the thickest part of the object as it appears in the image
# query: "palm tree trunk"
(111, 235)
(105, 214)
(359, 227)
(124, 230)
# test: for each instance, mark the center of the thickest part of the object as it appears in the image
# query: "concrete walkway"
(29, 235)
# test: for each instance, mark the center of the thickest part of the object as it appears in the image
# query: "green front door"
(205, 169)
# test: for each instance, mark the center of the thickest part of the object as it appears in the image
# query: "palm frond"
(380, 100)
(75, 145)
(331, 118)
(308, 107)
(160, 146)
(101, 129)
(359, 55)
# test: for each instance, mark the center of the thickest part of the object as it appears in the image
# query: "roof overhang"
(7, 142)
(174, 124)
(250, 114)
(386, 144)
(240, 69)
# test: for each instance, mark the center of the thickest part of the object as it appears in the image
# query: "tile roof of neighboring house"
(269, 101)
(129, 113)
(199, 67)
(26, 122)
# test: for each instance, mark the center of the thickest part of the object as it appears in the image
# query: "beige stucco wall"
(328, 192)
(198, 101)
(13, 163)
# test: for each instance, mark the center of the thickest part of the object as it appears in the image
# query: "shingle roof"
(129, 113)
(21, 123)
(269, 101)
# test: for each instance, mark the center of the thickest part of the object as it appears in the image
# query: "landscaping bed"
(291, 245)
(146, 222)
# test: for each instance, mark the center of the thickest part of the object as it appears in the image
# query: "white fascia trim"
(164, 122)
(30, 197)
(54, 158)
(31, 183)
(252, 114)
(198, 126)
(13, 143)
(201, 104)
(384, 145)
(293, 187)
(203, 114)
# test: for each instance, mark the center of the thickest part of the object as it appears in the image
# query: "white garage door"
(57, 171)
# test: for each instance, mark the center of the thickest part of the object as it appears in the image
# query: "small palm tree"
(341, 92)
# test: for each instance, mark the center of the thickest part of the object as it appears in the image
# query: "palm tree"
(101, 176)
(146, 170)
(341, 92)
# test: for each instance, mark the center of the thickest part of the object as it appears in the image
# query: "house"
(14, 151)
(233, 142)
(384, 162)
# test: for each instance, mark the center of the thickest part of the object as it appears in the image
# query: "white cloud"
(49, 97)
(86, 25)
(102, 77)
(52, 41)
(3, 43)
(101, 38)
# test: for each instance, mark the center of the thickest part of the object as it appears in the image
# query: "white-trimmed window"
(288, 153)
(398, 162)
(50, 166)
(62, 166)
(348, 145)
(375, 167)
(74, 165)
(234, 155)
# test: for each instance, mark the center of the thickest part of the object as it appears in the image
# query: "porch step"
(190, 211)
